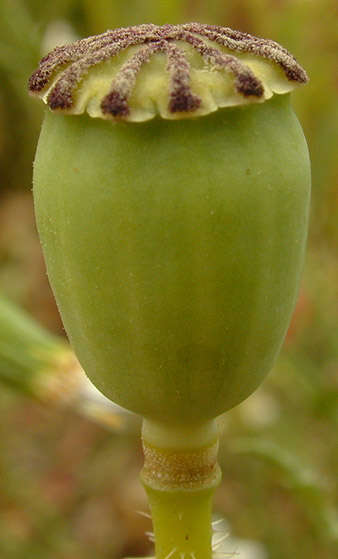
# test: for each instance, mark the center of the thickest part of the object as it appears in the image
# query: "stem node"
(180, 478)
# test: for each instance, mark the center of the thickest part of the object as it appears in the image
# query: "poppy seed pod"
(171, 187)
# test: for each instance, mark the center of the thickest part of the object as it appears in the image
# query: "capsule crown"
(174, 71)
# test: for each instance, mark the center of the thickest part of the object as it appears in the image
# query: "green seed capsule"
(174, 224)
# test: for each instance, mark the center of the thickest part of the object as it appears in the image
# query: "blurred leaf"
(299, 478)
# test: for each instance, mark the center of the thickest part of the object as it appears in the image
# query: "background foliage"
(69, 488)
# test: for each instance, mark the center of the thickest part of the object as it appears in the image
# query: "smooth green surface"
(186, 437)
(175, 250)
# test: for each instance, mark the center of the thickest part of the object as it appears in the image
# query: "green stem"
(180, 475)
(182, 523)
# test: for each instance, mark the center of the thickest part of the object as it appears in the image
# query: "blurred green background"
(69, 487)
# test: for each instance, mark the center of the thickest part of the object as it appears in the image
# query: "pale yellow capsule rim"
(172, 71)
